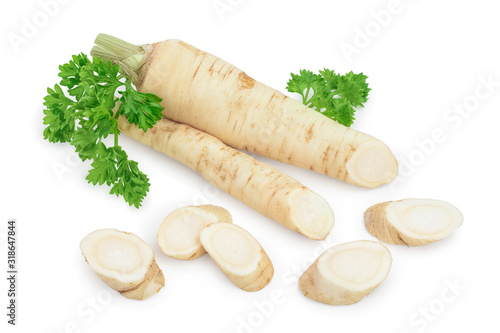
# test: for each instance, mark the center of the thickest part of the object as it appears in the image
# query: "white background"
(423, 60)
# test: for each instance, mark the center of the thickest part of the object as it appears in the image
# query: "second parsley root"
(260, 186)
(203, 91)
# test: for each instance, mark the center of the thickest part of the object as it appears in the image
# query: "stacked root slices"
(190, 232)
(179, 234)
(127, 263)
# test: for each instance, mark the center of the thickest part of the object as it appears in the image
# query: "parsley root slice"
(346, 273)
(238, 255)
(258, 185)
(124, 261)
(412, 221)
(203, 91)
(179, 234)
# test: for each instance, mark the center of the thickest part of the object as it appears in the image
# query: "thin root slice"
(346, 273)
(238, 255)
(179, 234)
(412, 221)
(124, 261)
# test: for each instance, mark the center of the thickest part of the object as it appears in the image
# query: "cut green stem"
(130, 57)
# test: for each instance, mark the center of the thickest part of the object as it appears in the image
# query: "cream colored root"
(179, 234)
(204, 91)
(258, 185)
(239, 256)
(412, 221)
(124, 261)
(346, 273)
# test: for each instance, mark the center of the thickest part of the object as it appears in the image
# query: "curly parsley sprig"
(335, 96)
(84, 117)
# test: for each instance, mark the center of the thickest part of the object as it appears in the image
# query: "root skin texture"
(238, 255)
(124, 261)
(260, 186)
(179, 234)
(346, 273)
(412, 221)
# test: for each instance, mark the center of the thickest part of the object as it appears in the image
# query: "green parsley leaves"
(335, 96)
(84, 117)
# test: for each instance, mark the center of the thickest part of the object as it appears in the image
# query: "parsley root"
(346, 273)
(412, 221)
(258, 185)
(179, 234)
(124, 261)
(214, 96)
(238, 255)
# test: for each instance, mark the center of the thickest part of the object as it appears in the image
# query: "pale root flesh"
(179, 234)
(346, 273)
(238, 255)
(260, 186)
(372, 164)
(412, 221)
(124, 261)
(206, 92)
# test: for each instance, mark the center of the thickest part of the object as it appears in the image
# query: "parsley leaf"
(59, 115)
(84, 117)
(141, 109)
(335, 96)
(132, 183)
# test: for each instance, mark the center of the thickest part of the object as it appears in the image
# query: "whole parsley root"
(258, 185)
(214, 96)
(124, 261)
